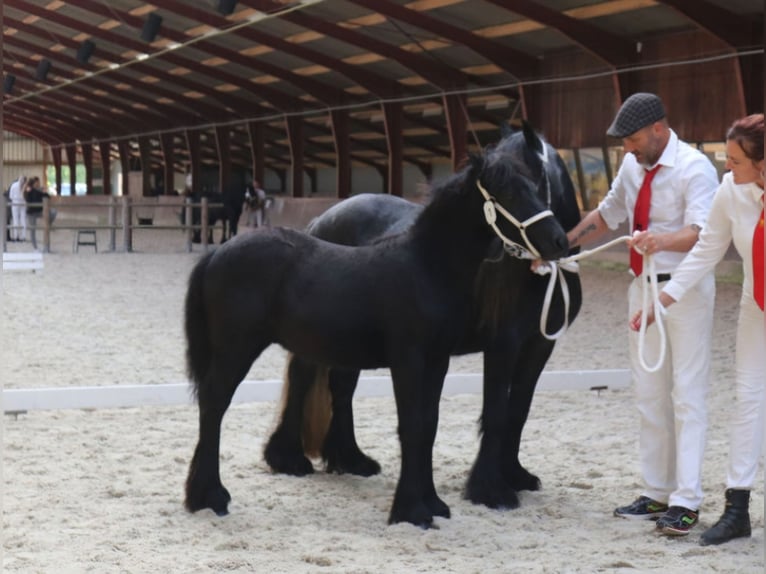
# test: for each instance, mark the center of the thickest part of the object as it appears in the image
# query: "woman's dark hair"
(748, 133)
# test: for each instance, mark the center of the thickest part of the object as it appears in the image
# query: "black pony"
(401, 303)
(515, 352)
(224, 207)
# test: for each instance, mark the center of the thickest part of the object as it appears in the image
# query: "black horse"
(515, 352)
(224, 207)
(400, 303)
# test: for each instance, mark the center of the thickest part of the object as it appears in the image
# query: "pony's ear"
(475, 163)
(505, 130)
(533, 141)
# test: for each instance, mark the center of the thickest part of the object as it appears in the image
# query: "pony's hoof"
(361, 465)
(521, 479)
(438, 507)
(419, 516)
(504, 498)
(287, 462)
(216, 499)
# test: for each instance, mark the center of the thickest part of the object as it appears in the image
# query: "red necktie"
(641, 216)
(758, 262)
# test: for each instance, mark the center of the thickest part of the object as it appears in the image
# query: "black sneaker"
(678, 521)
(642, 508)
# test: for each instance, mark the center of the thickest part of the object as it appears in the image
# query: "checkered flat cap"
(638, 111)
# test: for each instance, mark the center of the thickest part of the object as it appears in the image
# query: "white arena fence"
(120, 218)
(174, 394)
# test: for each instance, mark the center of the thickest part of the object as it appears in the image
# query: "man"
(678, 185)
(18, 209)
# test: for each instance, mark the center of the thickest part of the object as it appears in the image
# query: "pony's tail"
(317, 414)
(317, 409)
(198, 352)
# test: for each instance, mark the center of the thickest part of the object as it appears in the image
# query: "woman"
(736, 215)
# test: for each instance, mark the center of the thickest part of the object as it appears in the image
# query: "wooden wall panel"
(574, 113)
(701, 99)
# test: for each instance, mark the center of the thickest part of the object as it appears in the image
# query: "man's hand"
(647, 243)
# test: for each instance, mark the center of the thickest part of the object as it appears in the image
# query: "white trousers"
(19, 221)
(746, 441)
(672, 401)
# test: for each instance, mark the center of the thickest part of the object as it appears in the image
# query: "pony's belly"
(350, 352)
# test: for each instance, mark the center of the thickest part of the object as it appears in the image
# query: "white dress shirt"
(736, 209)
(682, 192)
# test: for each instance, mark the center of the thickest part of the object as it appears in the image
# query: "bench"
(84, 237)
(31, 261)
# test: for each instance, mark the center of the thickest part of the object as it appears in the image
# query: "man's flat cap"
(638, 111)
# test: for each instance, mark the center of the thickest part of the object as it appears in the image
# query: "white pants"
(746, 442)
(19, 221)
(255, 217)
(672, 401)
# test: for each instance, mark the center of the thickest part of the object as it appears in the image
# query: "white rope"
(645, 286)
(556, 269)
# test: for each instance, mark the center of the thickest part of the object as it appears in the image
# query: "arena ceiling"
(110, 71)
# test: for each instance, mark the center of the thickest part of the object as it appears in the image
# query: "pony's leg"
(536, 352)
(486, 484)
(284, 450)
(433, 392)
(416, 388)
(204, 488)
(224, 229)
(340, 451)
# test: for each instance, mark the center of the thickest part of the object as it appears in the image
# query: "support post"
(112, 223)
(3, 222)
(127, 231)
(203, 221)
(188, 223)
(46, 225)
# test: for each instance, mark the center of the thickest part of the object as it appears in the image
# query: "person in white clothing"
(255, 202)
(18, 209)
(665, 188)
(736, 213)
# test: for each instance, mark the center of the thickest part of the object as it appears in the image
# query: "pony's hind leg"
(340, 451)
(204, 488)
(284, 450)
(203, 484)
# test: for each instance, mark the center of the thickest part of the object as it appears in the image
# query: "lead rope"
(556, 268)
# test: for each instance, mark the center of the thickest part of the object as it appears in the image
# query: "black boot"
(734, 522)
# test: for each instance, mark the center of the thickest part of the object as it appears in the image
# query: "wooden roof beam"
(515, 62)
(607, 47)
(730, 28)
(438, 74)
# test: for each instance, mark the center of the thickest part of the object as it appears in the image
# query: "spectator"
(34, 196)
(18, 209)
(255, 201)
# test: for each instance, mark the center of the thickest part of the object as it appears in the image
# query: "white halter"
(492, 208)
